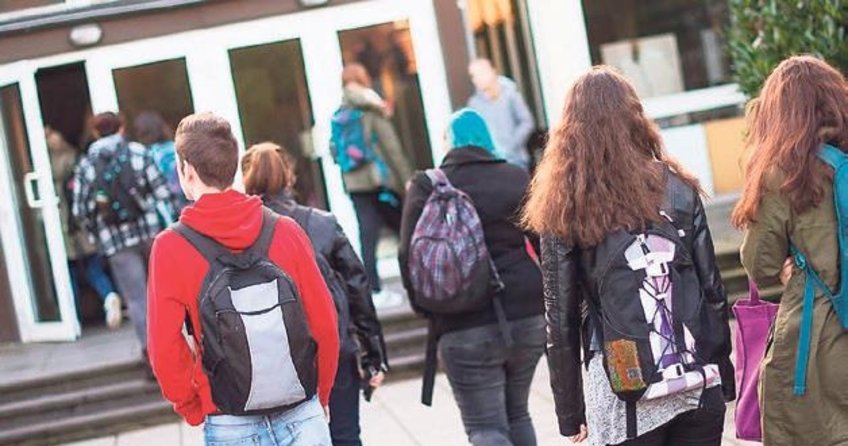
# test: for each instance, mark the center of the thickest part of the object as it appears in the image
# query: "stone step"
(81, 426)
(20, 412)
(49, 384)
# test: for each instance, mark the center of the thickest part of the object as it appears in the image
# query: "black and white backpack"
(256, 345)
(660, 336)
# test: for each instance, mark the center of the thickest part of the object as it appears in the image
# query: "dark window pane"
(662, 46)
(161, 87)
(273, 101)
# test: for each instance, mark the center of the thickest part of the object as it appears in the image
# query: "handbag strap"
(753, 292)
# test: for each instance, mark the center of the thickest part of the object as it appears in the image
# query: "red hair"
(803, 105)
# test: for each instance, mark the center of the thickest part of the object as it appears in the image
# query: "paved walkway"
(395, 418)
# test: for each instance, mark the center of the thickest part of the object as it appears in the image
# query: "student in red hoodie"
(208, 158)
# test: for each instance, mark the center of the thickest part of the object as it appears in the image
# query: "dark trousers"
(491, 381)
(373, 215)
(702, 427)
(344, 404)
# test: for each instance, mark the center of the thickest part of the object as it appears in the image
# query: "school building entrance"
(275, 79)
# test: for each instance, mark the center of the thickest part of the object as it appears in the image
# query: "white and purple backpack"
(450, 267)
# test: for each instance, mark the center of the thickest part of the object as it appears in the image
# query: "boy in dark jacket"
(269, 173)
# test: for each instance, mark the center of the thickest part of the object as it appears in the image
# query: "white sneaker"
(112, 307)
(387, 299)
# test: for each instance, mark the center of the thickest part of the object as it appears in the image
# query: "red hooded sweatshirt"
(176, 274)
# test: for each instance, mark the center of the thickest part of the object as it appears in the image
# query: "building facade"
(272, 68)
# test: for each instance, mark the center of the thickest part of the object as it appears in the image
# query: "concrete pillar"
(562, 49)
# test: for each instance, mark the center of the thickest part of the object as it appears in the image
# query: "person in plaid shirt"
(125, 243)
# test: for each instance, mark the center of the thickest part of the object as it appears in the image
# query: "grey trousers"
(129, 271)
(491, 381)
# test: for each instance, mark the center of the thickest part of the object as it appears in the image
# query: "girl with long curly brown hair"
(605, 178)
(788, 197)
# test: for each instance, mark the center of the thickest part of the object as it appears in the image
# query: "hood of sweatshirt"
(231, 218)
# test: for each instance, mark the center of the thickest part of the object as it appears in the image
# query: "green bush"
(764, 32)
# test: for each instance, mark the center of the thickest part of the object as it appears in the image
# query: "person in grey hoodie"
(498, 100)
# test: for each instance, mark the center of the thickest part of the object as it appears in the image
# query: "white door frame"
(30, 329)
(212, 87)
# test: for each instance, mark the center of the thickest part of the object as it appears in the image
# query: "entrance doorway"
(66, 113)
(275, 78)
(386, 52)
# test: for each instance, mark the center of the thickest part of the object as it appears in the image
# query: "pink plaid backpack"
(450, 267)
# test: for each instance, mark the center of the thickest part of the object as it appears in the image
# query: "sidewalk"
(396, 418)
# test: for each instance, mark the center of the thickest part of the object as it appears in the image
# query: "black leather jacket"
(329, 240)
(570, 279)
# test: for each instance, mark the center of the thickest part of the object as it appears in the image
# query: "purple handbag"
(754, 319)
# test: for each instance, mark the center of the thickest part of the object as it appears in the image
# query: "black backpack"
(116, 186)
(256, 345)
(335, 283)
(659, 335)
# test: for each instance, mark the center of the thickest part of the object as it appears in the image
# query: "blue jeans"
(491, 381)
(304, 425)
(91, 268)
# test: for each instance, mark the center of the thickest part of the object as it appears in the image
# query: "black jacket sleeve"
(703, 254)
(413, 206)
(563, 313)
(345, 262)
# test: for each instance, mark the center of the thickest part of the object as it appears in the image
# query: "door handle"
(30, 185)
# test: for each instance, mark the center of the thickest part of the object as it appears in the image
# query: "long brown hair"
(603, 165)
(267, 170)
(803, 104)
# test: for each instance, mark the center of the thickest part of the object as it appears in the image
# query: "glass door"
(30, 224)
(274, 105)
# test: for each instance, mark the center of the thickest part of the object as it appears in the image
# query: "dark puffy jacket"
(571, 280)
(329, 241)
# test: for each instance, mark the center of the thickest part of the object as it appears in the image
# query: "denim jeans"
(491, 381)
(92, 269)
(304, 425)
(373, 215)
(129, 270)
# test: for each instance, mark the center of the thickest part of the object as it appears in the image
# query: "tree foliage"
(764, 32)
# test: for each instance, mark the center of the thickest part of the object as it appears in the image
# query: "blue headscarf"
(468, 129)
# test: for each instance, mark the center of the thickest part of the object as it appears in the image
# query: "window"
(161, 87)
(274, 105)
(663, 46)
(386, 52)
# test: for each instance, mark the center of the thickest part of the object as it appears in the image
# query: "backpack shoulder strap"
(262, 245)
(211, 250)
(833, 156)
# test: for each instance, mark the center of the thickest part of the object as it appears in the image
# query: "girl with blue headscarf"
(490, 377)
